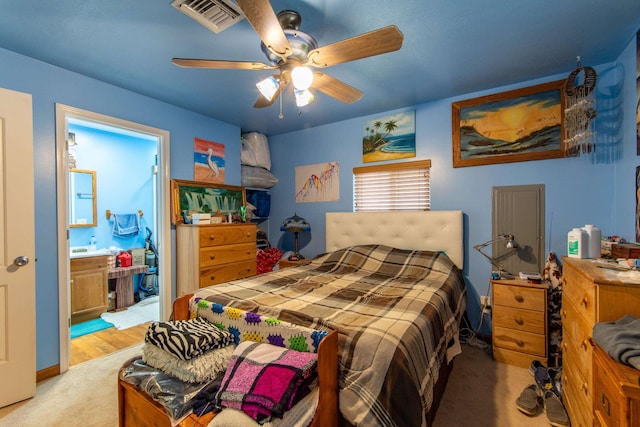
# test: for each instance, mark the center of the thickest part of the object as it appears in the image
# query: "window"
(392, 187)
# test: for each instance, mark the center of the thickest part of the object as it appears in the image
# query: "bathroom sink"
(84, 252)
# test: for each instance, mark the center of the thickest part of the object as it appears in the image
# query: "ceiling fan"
(292, 52)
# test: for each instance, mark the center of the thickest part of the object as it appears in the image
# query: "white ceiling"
(451, 47)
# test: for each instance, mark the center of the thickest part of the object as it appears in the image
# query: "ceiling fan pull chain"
(281, 116)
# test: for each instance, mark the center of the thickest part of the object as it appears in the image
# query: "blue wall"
(50, 85)
(124, 183)
(600, 191)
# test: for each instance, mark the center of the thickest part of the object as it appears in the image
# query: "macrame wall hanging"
(580, 111)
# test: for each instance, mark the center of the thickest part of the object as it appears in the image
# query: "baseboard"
(46, 373)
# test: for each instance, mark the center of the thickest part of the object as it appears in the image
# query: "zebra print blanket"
(187, 339)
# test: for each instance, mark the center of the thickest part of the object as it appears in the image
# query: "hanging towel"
(126, 225)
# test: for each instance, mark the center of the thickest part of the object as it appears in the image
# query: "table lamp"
(295, 225)
(511, 244)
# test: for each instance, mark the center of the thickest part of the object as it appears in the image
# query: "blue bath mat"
(89, 327)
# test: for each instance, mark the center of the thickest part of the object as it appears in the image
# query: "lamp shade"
(295, 224)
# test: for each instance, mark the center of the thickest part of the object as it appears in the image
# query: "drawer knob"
(212, 257)
(606, 405)
(585, 388)
(212, 277)
(212, 237)
(520, 343)
(584, 301)
(583, 344)
(248, 234)
(564, 314)
(519, 298)
(519, 321)
(248, 252)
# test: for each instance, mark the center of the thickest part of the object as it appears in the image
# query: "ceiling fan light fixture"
(268, 87)
(302, 77)
(303, 97)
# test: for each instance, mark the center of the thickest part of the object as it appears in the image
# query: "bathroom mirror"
(82, 198)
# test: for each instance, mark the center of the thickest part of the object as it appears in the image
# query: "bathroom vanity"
(89, 287)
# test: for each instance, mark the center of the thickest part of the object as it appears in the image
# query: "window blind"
(392, 187)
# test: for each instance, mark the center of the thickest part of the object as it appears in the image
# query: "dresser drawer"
(522, 320)
(227, 272)
(519, 297)
(576, 398)
(216, 255)
(227, 234)
(581, 293)
(607, 400)
(575, 330)
(524, 342)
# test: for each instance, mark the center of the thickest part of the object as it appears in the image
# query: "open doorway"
(83, 236)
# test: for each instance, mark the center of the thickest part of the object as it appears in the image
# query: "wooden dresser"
(519, 322)
(616, 392)
(589, 294)
(89, 288)
(210, 254)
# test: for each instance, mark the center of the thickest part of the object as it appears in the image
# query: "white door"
(17, 250)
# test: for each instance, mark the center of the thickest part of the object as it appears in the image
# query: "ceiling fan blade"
(384, 40)
(335, 88)
(263, 102)
(212, 63)
(265, 22)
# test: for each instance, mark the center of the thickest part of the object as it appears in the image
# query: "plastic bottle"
(577, 243)
(594, 239)
(93, 243)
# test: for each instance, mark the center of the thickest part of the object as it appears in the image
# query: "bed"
(391, 291)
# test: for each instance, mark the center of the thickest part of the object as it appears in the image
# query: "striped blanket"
(397, 313)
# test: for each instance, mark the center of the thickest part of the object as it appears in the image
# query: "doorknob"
(21, 261)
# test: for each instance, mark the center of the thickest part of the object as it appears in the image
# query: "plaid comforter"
(397, 313)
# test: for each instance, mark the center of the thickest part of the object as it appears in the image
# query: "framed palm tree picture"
(389, 138)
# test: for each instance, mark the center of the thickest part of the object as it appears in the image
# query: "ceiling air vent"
(217, 15)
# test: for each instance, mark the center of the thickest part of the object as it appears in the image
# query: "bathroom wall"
(124, 182)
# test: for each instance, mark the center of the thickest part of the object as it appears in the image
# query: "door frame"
(163, 233)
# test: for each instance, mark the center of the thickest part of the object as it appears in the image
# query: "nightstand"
(285, 263)
(519, 322)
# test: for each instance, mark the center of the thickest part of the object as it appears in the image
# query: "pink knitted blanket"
(264, 380)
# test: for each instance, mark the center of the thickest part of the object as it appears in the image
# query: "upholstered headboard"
(417, 230)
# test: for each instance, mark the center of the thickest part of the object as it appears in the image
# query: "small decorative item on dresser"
(295, 225)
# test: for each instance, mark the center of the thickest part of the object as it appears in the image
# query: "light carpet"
(480, 393)
(483, 393)
(86, 395)
(146, 310)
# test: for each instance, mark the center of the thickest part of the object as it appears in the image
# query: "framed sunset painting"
(515, 126)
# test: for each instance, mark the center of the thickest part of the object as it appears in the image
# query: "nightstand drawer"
(524, 342)
(519, 297)
(522, 320)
